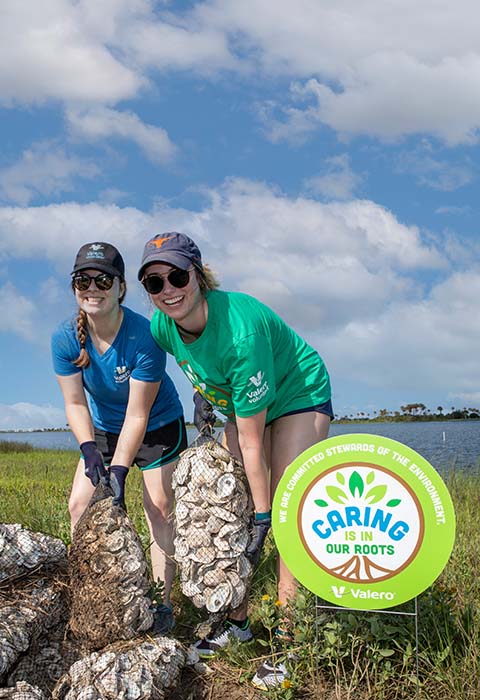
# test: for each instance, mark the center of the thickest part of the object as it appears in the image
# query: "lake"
(443, 443)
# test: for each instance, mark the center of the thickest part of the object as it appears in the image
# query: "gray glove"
(203, 415)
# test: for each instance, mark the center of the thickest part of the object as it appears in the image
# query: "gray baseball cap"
(172, 248)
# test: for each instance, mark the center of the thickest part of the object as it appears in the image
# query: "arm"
(76, 407)
(80, 421)
(140, 401)
(250, 442)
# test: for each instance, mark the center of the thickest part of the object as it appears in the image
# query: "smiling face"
(185, 305)
(98, 302)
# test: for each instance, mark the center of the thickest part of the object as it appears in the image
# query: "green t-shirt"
(247, 359)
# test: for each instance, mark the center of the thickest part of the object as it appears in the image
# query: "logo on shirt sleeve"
(261, 389)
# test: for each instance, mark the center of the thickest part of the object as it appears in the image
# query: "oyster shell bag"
(109, 575)
(212, 516)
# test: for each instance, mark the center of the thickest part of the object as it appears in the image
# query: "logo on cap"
(158, 242)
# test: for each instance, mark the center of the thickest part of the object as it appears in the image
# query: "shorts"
(325, 407)
(159, 446)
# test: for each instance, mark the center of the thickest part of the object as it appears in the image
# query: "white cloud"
(28, 416)
(430, 171)
(19, 314)
(43, 170)
(372, 68)
(338, 182)
(427, 343)
(177, 44)
(101, 122)
(49, 50)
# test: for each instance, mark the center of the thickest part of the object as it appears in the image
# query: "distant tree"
(440, 409)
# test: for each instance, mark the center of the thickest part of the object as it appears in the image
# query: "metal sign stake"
(413, 614)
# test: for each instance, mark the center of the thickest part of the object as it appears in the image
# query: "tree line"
(414, 412)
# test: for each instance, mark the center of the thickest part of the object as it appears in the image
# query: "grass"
(339, 655)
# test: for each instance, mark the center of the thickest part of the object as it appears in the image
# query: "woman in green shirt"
(247, 363)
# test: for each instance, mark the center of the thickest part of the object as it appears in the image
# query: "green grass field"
(340, 655)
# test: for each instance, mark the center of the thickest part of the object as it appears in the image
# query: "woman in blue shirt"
(133, 414)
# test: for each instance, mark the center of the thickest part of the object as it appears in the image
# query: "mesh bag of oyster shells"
(22, 551)
(22, 691)
(109, 576)
(136, 669)
(212, 515)
(26, 614)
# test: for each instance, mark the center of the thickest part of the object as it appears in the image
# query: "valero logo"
(363, 521)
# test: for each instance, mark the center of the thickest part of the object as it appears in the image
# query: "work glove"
(203, 415)
(258, 531)
(118, 476)
(94, 466)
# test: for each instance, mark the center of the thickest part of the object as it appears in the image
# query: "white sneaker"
(223, 635)
(271, 674)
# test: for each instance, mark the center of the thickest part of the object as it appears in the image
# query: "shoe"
(163, 620)
(223, 635)
(271, 674)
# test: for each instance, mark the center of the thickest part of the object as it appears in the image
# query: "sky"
(323, 155)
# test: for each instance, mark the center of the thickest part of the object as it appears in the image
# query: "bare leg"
(158, 505)
(80, 495)
(291, 435)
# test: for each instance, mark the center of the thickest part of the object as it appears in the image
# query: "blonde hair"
(206, 279)
(83, 360)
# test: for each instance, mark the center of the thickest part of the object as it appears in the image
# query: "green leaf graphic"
(370, 477)
(376, 494)
(321, 503)
(394, 502)
(340, 478)
(336, 494)
(355, 483)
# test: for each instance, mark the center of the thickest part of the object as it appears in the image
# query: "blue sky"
(325, 157)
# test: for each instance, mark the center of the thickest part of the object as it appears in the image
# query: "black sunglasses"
(103, 281)
(177, 278)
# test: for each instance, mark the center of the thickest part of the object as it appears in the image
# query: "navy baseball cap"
(100, 256)
(172, 248)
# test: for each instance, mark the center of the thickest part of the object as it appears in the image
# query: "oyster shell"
(22, 550)
(22, 691)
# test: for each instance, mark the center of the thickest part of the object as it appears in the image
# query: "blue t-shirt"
(133, 353)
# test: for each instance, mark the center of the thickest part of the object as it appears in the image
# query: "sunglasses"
(177, 278)
(82, 281)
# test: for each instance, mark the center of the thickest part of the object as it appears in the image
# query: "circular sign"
(363, 521)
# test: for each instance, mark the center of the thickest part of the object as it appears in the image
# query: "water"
(460, 448)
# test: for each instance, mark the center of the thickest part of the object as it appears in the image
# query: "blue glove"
(94, 466)
(203, 415)
(258, 531)
(118, 476)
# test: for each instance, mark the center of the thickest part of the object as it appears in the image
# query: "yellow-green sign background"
(429, 560)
